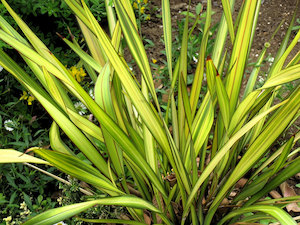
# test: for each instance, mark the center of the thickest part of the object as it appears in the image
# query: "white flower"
(271, 59)
(60, 223)
(80, 107)
(91, 93)
(9, 125)
(195, 59)
(1, 68)
(261, 79)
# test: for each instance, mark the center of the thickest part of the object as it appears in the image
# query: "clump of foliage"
(177, 167)
(22, 125)
(24, 193)
(23, 121)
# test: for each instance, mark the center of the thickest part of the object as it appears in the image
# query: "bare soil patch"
(272, 12)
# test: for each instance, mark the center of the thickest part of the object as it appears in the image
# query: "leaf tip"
(72, 36)
(59, 35)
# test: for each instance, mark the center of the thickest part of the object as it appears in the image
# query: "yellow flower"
(142, 10)
(145, 1)
(24, 96)
(27, 97)
(147, 17)
(30, 100)
(25, 213)
(82, 73)
(135, 5)
(154, 60)
(23, 206)
(78, 74)
(139, 1)
(7, 219)
(60, 200)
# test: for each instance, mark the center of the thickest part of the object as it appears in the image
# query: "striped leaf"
(13, 156)
(272, 130)
(56, 142)
(58, 214)
(136, 46)
(279, 214)
(239, 53)
(167, 26)
(103, 99)
(284, 76)
(227, 13)
(199, 73)
(223, 101)
(286, 173)
(78, 138)
(221, 153)
(78, 169)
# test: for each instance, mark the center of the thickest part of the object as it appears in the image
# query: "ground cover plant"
(172, 166)
(23, 121)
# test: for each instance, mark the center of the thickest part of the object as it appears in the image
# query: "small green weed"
(24, 192)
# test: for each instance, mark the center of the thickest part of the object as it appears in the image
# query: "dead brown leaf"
(171, 178)
(165, 98)
(225, 201)
(233, 194)
(246, 223)
(155, 203)
(241, 183)
(147, 218)
(275, 194)
(288, 191)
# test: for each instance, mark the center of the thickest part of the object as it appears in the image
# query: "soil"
(272, 12)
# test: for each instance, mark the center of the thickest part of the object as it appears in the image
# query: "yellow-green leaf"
(13, 156)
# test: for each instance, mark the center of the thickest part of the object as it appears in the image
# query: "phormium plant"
(174, 167)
